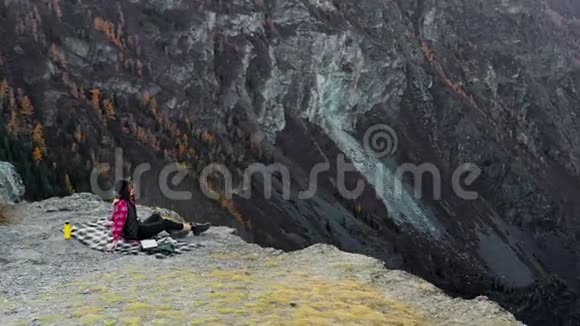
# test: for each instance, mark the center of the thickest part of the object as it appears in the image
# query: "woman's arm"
(119, 217)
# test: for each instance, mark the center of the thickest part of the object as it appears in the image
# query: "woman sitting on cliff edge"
(126, 225)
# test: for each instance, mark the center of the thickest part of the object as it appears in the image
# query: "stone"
(11, 186)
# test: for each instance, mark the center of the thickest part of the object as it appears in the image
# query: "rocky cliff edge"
(49, 281)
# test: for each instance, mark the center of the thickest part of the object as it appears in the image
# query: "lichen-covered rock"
(11, 186)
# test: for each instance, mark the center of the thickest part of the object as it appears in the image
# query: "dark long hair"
(122, 190)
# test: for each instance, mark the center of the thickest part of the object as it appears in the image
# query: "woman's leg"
(153, 219)
(149, 230)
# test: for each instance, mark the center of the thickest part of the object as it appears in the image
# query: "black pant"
(154, 225)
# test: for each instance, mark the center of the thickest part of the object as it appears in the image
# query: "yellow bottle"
(67, 231)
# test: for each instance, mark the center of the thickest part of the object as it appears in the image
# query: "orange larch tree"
(26, 108)
(106, 27)
(95, 98)
(38, 137)
(12, 124)
(37, 155)
(109, 109)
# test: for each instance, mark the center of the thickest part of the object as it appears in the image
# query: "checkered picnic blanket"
(97, 234)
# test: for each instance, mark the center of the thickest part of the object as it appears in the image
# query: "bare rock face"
(11, 186)
(494, 83)
(51, 281)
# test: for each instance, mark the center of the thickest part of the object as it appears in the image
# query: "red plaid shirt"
(118, 219)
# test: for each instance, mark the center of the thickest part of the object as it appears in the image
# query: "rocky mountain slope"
(49, 281)
(11, 186)
(298, 82)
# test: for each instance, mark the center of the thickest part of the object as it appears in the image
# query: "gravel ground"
(49, 281)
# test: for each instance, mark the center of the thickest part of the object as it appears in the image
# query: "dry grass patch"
(261, 296)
